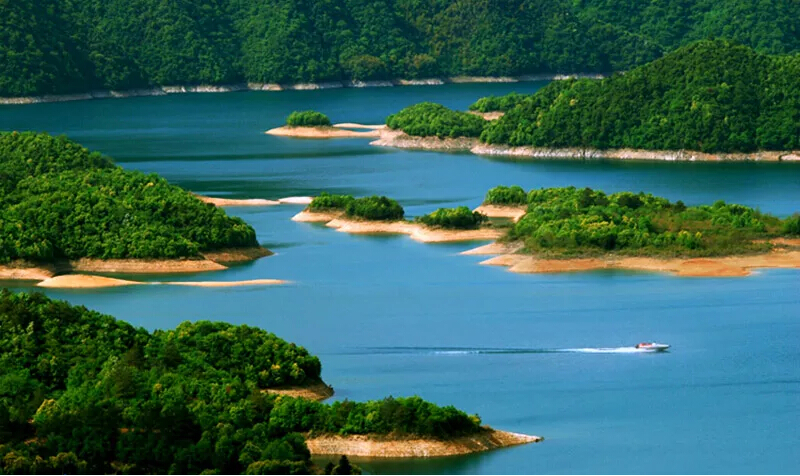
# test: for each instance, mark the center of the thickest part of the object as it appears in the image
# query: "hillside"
(84, 393)
(710, 96)
(59, 201)
(59, 46)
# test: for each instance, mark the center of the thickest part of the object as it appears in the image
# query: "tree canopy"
(570, 222)
(710, 96)
(60, 201)
(61, 46)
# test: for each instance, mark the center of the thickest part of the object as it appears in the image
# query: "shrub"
(498, 103)
(428, 119)
(791, 226)
(307, 119)
(326, 201)
(375, 208)
(460, 218)
(503, 195)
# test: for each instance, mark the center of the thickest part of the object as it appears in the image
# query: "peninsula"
(96, 395)
(382, 215)
(65, 209)
(689, 105)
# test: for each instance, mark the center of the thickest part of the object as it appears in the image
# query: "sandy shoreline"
(317, 391)
(253, 202)
(164, 90)
(400, 140)
(88, 281)
(503, 211)
(321, 132)
(379, 446)
(728, 266)
(416, 231)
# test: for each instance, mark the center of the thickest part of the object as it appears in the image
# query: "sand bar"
(729, 266)
(296, 200)
(231, 202)
(320, 132)
(416, 231)
(379, 446)
(316, 217)
(225, 284)
(353, 125)
(495, 248)
(87, 281)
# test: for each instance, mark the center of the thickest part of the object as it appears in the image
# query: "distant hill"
(60, 46)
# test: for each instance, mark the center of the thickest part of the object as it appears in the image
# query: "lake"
(390, 316)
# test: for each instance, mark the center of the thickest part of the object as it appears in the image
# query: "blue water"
(390, 316)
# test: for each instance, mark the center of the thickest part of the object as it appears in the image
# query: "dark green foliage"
(375, 208)
(564, 222)
(460, 218)
(430, 119)
(502, 195)
(498, 103)
(326, 201)
(82, 392)
(791, 226)
(399, 416)
(58, 200)
(60, 46)
(710, 96)
(344, 467)
(307, 119)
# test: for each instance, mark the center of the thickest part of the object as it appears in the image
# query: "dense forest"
(709, 96)
(572, 222)
(61, 46)
(82, 392)
(60, 201)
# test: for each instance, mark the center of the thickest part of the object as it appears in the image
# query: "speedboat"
(652, 346)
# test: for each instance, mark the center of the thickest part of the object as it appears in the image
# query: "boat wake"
(484, 350)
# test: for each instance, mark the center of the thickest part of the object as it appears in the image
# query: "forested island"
(710, 100)
(562, 229)
(316, 125)
(65, 208)
(82, 392)
(379, 214)
(60, 47)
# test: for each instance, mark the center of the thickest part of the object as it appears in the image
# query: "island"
(692, 104)
(382, 215)
(93, 394)
(316, 125)
(65, 210)
(571, 229)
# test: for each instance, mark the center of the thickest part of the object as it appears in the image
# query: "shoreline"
(415, 231)
(252, 202)
(400, 140)
(69, 273)
(383, 446)
(166, 90)
(507, 255)
(319, 132)
(316, 391)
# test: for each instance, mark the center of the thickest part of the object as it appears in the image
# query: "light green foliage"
(710, 96)
(60, 46)
(564, 222)
(82, 392)
(58, 200)
(308, 119)
(326, 201)
(375, 208)
(791, 226)
(429, 119)
(502, 195)
(498, 103)
(460, 218)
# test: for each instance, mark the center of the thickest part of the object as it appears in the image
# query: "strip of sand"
(353, 125)
(316, 217)
(730, 266)
(502, 211)
(231, 202)
(296, 200)
(225, 284)
(401, 140)
(380, 446)
(87, 281)
(416, 231)
(317, 391)
(320, 132)
(25, 273)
